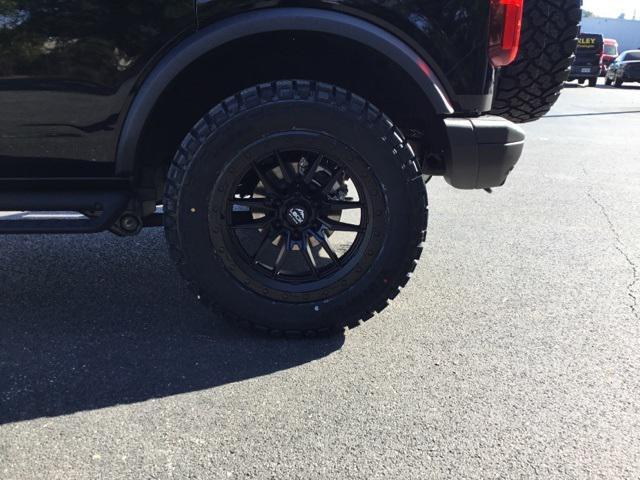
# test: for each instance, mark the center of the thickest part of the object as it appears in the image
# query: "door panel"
(67, 68)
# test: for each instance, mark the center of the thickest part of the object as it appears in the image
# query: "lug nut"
(130, 223)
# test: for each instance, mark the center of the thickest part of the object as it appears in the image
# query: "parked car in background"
(588, 57)
(609, 54)
(625, 68)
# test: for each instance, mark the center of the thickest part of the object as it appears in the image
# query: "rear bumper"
(482, 151)
(584, 71)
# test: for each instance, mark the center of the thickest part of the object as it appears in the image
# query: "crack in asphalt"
(619, 245)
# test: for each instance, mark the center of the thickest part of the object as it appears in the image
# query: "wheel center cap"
(297, 216)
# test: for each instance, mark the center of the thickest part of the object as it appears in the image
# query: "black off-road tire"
(203, 167)
(527, 89)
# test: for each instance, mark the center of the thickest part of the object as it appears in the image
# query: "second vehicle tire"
(530, 86)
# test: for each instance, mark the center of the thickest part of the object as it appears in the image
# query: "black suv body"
(80, 80)
(265, 118)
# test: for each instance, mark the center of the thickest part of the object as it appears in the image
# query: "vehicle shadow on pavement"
(88, 322)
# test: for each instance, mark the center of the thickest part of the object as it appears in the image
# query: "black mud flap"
(482, 151)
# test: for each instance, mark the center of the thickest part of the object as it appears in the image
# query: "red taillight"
(504, 31)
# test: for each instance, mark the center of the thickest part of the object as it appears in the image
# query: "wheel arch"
(415, 70)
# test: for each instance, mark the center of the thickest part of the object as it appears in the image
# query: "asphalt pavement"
(514, 352)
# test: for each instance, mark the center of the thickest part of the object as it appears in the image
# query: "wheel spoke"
(313, 169)
(328, 248)
(268, 236)
(340, 226)
(287, 172)
(262, 191)
(252, 224)
(259, 204)
(282, 254)
(340, 205)
(308, 256)
(267, 183)
(332, 181)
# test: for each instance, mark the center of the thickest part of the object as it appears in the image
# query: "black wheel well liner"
(416, 72)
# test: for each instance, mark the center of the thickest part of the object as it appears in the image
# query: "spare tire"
(529, 87)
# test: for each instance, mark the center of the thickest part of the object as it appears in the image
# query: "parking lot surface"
(514, 352)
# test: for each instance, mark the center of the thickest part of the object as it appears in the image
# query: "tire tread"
(528, 88)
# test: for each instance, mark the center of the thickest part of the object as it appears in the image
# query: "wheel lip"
(369, 243)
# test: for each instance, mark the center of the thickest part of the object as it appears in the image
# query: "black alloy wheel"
(297, 222)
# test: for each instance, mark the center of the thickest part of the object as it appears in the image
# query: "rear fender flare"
(264, 21)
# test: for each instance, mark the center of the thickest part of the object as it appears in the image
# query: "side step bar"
(106, 205)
